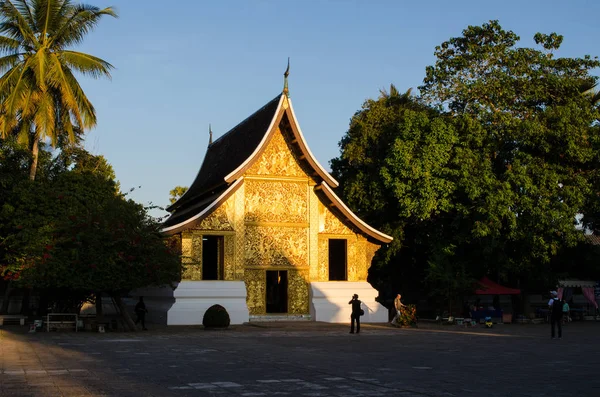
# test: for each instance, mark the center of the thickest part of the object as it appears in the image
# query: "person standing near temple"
(356, 313)
(140, 312)
(398, 305)
(555, 306)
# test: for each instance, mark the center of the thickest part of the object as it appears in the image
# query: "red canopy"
(488, 287)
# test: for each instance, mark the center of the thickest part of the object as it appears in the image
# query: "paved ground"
(310, 359)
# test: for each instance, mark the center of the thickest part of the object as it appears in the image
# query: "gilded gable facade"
(274, 225)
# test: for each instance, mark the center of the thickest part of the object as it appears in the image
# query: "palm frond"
(44, 118)
(15, 24)
(84, 106)
(46, 16)
(9, 61)
(86, 64)
(25, 10)
(61, 82)
(79, 23)
(9, 45)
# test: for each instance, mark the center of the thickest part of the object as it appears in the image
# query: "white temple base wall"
(193, 298)
(329, 302)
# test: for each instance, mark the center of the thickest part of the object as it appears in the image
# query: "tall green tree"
(73, 233)
(40, 97)
(486, 172)
(538, 134)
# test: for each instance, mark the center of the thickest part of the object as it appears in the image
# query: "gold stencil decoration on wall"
(355, 260)
(240, 232)
(277, 159)
(298, 292)
(220, 219)
(256, 289)
(229, 259)
(370, 250)
(276, 246)
(329, 223)
(276, 202)
(191, 268)
(323, 259)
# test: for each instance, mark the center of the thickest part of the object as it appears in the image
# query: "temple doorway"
(212, 258)
(277, 291)
(337, 260)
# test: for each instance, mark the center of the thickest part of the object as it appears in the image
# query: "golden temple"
(262, 210)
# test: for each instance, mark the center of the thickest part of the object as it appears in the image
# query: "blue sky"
(182, 65)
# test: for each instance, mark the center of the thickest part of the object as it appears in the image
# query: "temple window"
(338, 262)
(212, 257)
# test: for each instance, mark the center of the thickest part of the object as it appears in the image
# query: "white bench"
(61, 320)
(12, 317)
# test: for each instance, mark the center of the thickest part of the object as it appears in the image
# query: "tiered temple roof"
(230, 155)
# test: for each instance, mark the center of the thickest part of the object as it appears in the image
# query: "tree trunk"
(34, 161)
(124, 313)
(6, 300)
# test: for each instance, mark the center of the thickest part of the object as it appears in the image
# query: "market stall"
(488, 287)
(567, 289)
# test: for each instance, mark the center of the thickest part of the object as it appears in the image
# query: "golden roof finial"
(286, 91)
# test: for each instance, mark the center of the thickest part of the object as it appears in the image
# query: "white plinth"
(193, 298)
(329, 302)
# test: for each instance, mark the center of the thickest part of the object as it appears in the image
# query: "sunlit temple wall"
(277, 225)
(276, 221)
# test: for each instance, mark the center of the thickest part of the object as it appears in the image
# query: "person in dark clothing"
(355, 316)
(555, 305)
(140, 312)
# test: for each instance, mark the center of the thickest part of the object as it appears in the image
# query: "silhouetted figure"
(355, 316)
(140, 312)
(555, 305)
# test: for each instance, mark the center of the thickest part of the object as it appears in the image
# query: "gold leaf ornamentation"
(276, 246)
(276, 202)
(256, 291)
(277, 159)
(298, 292)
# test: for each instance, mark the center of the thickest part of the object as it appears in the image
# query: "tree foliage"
(176, 193)
(40, 97)
(75, 231)
(486, 171)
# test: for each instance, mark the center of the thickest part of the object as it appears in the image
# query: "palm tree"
(40, 98)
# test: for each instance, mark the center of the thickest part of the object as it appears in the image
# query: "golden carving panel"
(370, 250)
(276, 202)
(276, 246)
(220, 219)
(329, 223)
(355, 260)
(229, 258)
(240, 231)
(277, 159)
(298, 292)
(323, 259)
(256, 290)
(191, 250)
(314, 235)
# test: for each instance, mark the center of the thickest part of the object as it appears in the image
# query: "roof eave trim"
(376, 234)
(205, 212)
(309, 156)
(233, 175)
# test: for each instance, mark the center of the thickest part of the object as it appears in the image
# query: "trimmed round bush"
(216, 317)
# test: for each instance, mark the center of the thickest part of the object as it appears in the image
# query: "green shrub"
(216, 317)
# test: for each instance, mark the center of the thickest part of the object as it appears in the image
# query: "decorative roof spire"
(285, 79)
(209, 135)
